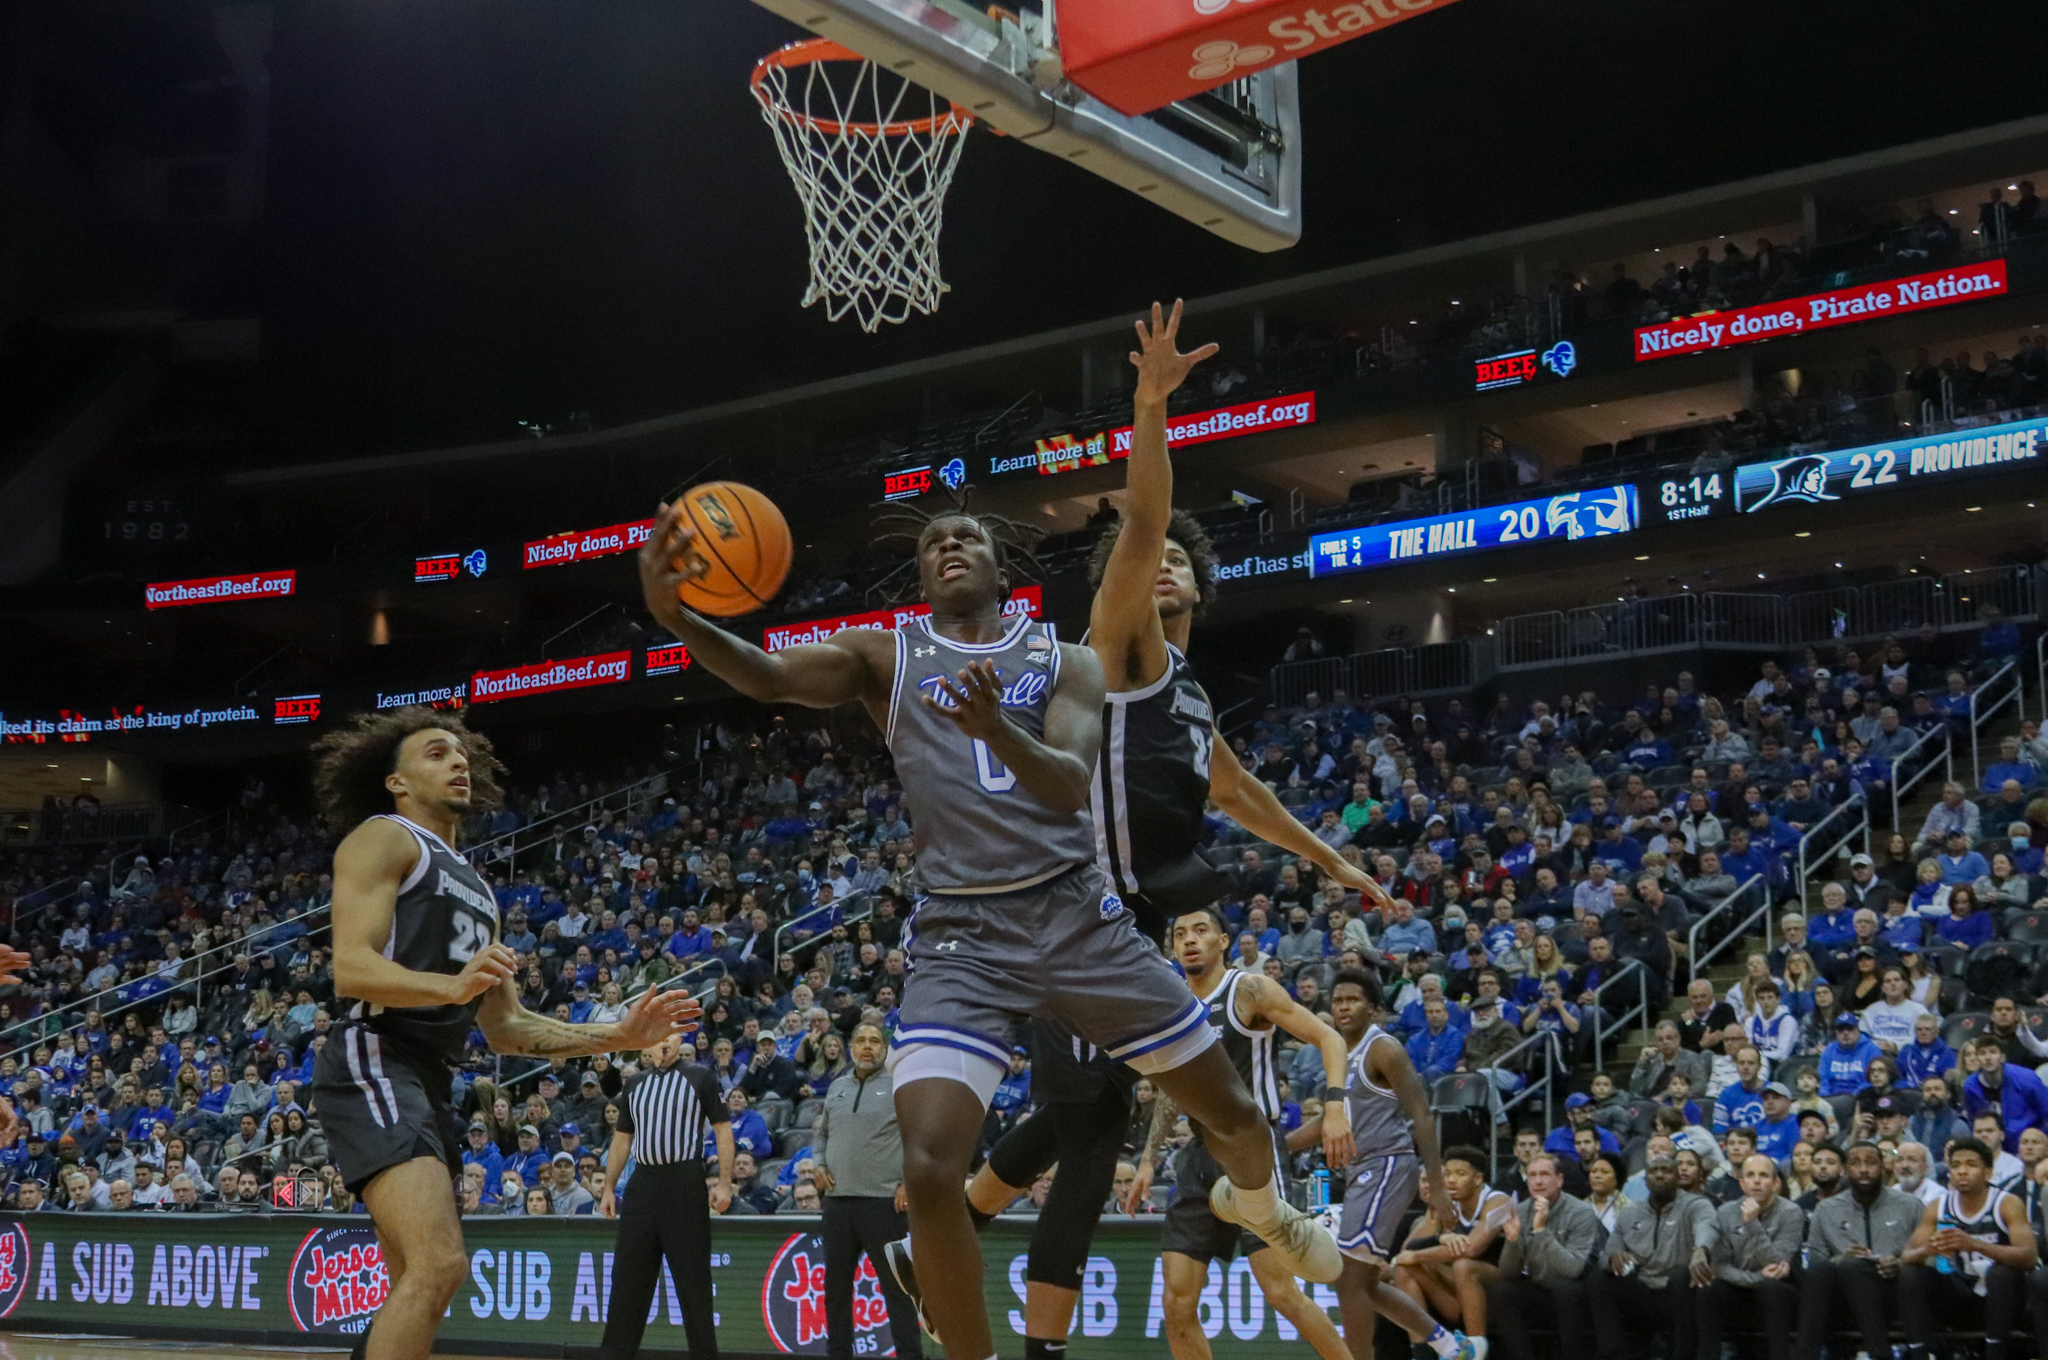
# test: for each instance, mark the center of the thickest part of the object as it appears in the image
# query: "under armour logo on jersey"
(924, 651)
(948, 947)
(1112, 906)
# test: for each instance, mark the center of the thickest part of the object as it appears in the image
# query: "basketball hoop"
(871, 155)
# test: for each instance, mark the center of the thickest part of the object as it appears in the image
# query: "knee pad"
(920, 1061)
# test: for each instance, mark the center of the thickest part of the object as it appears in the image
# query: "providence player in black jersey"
(416, 952)
(1153, 572)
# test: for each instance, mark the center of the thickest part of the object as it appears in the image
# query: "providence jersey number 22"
(445, 913)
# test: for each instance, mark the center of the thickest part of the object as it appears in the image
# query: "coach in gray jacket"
(1657, 1255)
(1542, 1268)
(857, 1162)
(1853, 1244)
(1758, 1240)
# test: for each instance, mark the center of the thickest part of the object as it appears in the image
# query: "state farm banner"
(549, 677)
(1819, 311)
(559, 550)
(1024, 600)
(1140, 55)
(542, 1286)
(252, 585)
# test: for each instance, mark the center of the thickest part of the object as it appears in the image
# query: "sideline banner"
(1818, 311)
(537, 1287)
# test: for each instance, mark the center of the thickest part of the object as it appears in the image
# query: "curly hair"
(1184, 529)
(351, 765)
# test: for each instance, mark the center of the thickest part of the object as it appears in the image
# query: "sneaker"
(1470, 1347)
(897, 1255)
(1304, 1247)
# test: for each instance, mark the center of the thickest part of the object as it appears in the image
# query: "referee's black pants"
(855, 1224)
(667, 1214)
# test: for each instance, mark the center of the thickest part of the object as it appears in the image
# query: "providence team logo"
(338, 1280)
(793, 1302)
(1799, 480)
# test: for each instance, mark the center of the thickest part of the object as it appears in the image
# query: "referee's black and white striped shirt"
(670, 1112)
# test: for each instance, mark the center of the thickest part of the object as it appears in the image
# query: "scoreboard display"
(1570, 516)
(1819, 477)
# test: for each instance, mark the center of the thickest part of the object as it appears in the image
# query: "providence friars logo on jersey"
(15, 1256)
(793, 1302)
(1801, 480)
(338, 1280)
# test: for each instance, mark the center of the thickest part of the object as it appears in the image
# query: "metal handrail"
(1698, 961)
(1900, 786)
(1641, 1008)
(1980, 716)
(477, 853)
(1808, 860)
(1545, 1084)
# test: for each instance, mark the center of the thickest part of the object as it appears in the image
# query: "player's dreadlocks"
(348, 777)
(1184, 529)
(1013, 541)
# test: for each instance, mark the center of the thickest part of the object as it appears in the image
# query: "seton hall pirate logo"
(338, 1281)
(1800, 480)
(793, 1302)
(16, 1259)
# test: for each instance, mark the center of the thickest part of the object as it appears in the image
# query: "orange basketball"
(744, 544)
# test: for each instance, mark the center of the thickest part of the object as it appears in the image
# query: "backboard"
(1228, 159)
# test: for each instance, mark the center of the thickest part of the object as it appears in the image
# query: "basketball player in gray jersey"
(416, 950)
(1393, 1140)
(995, 725)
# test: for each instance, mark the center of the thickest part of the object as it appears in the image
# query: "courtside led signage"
(1841, 307)
(1571, 516)
(1851, 474)
(549, 677)
(1065, 452)
(1023, 600)
(559, 550)
(253, 585)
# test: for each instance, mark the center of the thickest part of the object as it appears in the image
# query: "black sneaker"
(897, 1254)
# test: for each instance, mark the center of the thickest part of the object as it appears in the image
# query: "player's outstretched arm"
(1256, 808)
(369, 865)
(510, 1028)
(1057, 769)
(1123, 626)
(1267, 1001)
(820, 675)
(1388, 1065)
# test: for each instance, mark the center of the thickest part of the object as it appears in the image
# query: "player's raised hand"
(13, 963)
(655, 1016)
(489, 966)
(976, 705)
(668, 559)
(1160, 364)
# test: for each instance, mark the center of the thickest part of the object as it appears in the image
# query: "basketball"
(744, 543)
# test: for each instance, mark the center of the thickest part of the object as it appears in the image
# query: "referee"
(664, 1112)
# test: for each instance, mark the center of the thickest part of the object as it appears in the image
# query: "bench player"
(416, 949)
(1393, 1142)
(1153, 572)
(994, 725)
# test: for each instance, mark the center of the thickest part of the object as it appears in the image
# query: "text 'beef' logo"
(339, 1280)
(14, 1266)
(793, 1302)
(1799, 480)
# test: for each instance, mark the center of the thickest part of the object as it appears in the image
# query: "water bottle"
(1320, 1190)
(1944, 1263)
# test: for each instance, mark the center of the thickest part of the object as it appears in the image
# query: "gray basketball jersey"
(1379, 1126)
(978, 828)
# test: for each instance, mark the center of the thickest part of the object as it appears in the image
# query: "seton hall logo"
(15, 1262)
(793, 1302)
(338, 1281)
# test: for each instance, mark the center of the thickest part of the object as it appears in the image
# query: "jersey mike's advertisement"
(535, 1287)
(1024, 600)
(549, 677)
(250, 585)
(1818, 311)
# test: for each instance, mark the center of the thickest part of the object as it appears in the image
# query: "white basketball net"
(871, 155)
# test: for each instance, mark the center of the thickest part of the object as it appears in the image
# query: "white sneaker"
(1304, 1247)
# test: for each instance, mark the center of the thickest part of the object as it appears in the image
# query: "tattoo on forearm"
(1164, 1113)
(537, 1036)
